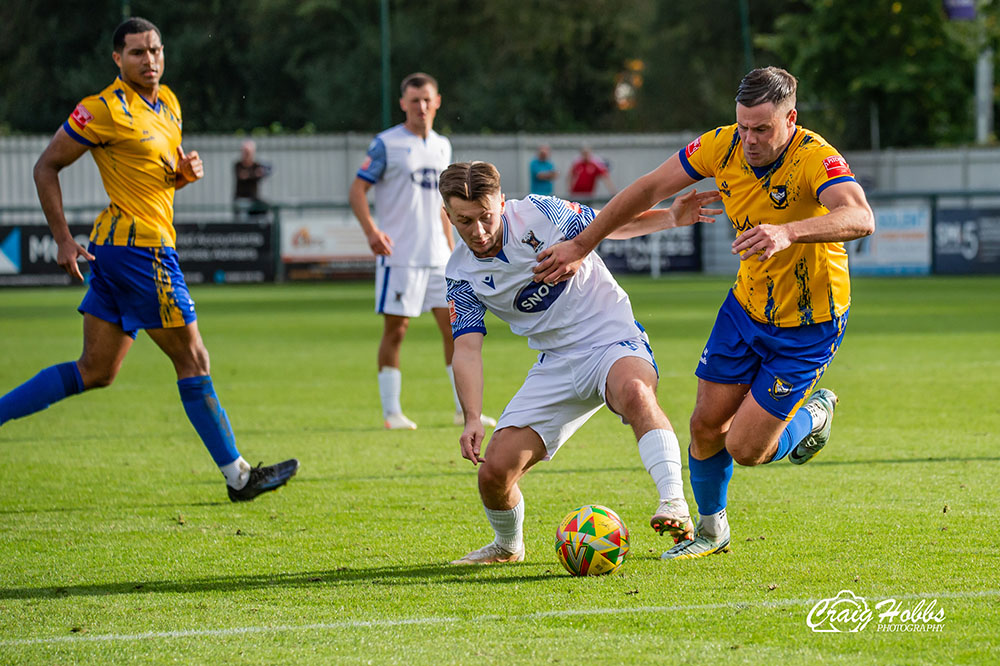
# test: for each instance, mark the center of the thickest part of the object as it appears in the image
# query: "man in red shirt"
(584, 174)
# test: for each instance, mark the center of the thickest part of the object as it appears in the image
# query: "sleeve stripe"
(364, 176)
(468, 329)
(841, 179)
(691, 171)
(76, 136)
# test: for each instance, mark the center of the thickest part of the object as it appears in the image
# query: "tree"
(899, 60)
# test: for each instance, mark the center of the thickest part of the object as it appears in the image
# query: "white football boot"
(487, 421)
(398, 421)
(491, 554)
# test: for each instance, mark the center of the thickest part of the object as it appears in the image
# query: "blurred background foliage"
(540, 66)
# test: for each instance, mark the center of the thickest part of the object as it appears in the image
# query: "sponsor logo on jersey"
(538, 296)
(530, 239)
(692, 147)
(836, 165)
(452, 315)
(488, 281)
(426, 177)
(81, 116)
(573, 206)
(367, 163)
(779, 197)
(780, 389)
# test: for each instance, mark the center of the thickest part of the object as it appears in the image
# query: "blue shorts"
(137, 287)
(781, 364)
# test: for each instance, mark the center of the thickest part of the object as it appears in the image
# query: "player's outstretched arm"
(561, 261)
(378, 240)
(850, 217)
(686, 210)
(59, 154)
(467, 362)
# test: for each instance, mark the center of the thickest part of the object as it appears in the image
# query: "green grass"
(117, 542)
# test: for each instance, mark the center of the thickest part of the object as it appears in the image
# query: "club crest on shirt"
(530, 239)
(779, 197)
(780, 389)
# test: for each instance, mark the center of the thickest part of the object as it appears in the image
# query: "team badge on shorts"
(530, 239)
(780, 389)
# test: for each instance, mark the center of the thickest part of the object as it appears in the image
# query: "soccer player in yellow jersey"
(132, 129)
(793, 201)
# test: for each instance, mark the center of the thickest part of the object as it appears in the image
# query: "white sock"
(661, 455)
(454, 391)
(507, 525)
(237, 473)
(390, 386)
(715, 525)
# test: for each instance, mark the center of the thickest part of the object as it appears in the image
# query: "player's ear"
(117, 57)
(793, 115)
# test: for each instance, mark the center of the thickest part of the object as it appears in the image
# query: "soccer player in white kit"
(414, 240)
(591, 350)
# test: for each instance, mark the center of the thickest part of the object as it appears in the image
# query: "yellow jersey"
(806, 283)
(134, 144)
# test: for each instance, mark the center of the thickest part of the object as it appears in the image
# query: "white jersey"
(404, 169)
(587, 311)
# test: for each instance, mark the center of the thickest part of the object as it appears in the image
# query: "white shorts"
(562, 391)
(408, 291)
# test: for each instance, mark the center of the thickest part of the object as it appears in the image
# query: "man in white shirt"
(592, 351)
(413, 238)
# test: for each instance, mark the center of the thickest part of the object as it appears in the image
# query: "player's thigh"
(549, 404)
(795, 359)
(631, 386)
(435, 290)
(511, 452)
(400, 290)
(105, 345)
(138, 288)
(728, 356)
(753, 432)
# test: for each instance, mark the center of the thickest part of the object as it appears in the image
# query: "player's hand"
(380, 243)
(471, 442)
(189, 165)
(559, 262)
(764, 240)
(689, 208)
(68, 254)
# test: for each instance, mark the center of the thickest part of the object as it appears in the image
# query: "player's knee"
(494, 478)
(96, 376)
(636, 396)
(746, 454)
(703, 430)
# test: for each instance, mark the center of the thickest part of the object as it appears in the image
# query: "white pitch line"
(355, 624)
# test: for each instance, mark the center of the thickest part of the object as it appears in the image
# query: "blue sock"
(50, 385)
(796, 430)
(710, 481)
(208, 418)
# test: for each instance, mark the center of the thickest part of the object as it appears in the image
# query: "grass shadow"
(393, 576)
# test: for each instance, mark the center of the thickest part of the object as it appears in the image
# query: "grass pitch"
(117, 541)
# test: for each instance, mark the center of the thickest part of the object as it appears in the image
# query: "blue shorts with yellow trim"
(781, 364)
(137, 288)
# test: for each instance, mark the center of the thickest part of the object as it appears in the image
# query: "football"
(592, 540)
